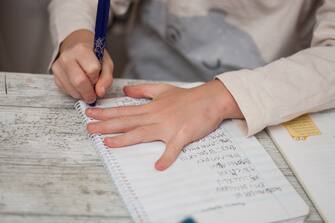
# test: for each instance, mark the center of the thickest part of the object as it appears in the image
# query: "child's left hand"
(176, 116)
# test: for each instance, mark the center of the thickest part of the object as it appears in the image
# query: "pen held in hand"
(101, 31)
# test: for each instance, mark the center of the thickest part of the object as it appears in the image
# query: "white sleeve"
(292, 86)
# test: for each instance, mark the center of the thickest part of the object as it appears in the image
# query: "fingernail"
(159, 166)
(109, 142)
(89, 111)
(89, 128)
(125, 89)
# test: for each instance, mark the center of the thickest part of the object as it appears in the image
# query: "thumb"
(171, 153)
(90, 64)
(147, 90)
(106, 76)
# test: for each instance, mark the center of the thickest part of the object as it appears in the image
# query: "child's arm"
(292, 86)
(176, 116)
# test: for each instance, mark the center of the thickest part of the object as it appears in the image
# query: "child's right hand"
(78, 72)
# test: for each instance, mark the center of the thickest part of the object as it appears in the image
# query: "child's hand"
(77, 70)
(176, 116)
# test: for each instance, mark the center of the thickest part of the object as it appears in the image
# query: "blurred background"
(25, 44)
(24, 36)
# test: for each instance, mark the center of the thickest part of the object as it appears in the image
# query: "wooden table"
(49, 170)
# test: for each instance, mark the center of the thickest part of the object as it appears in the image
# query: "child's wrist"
(224, 101)
(81, 36)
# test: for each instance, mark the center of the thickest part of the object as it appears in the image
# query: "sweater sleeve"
(67, 16)
(289, 87)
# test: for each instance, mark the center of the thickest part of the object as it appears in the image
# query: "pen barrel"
(99, 46)
(101, 28)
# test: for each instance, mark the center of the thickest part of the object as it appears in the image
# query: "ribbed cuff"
(235, 82)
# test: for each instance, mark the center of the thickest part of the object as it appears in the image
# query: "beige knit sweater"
(277, 58)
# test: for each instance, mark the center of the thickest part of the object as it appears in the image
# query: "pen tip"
(93, 104)
(188, 220)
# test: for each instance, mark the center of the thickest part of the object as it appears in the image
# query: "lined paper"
(224, 173)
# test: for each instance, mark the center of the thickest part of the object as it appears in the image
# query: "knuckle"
(55, 68)
(79, 80)
(184, 131)
(80, 47)
(64, 58)
(93, 67)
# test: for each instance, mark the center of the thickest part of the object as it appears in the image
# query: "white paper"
(224, 173)
(312, 160)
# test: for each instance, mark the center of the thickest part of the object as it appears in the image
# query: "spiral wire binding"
(110, 162)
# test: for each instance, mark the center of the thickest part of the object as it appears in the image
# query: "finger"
(68, 88)
(58, 83)
(62, 80)
(81, 82)
(90, 64)
(142, 134)
(118, 125)
(173, 148)
(108, 113)
(147, 90)
(106, 77)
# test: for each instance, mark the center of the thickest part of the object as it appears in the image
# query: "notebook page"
(224, 171)
(312, 159)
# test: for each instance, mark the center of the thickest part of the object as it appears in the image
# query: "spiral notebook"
(225, 175)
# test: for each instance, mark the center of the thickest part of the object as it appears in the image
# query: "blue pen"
(101, 30)
(188, 220)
